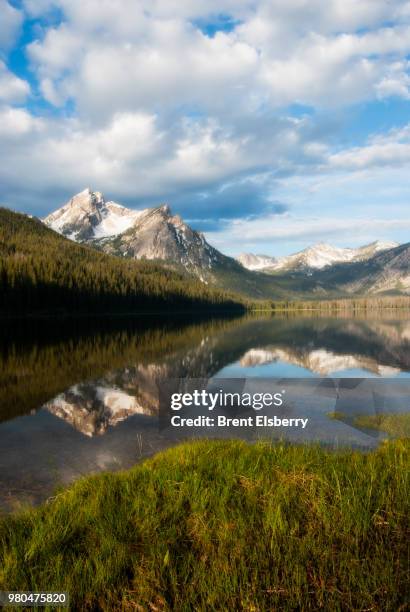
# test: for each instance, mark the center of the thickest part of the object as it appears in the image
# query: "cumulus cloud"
(17, 122)
(10, 24)
(139, 158)
(396, 81)
(392, 149)
(279, 53)
(12, 89)
(169, 65)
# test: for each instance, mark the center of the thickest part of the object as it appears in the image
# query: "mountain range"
(316, 257)
(319, 271)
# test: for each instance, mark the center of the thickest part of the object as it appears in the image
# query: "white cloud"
(177, 66)
(60, 50)
(10, 23)
(12, 89)
(136, 155)
(94, 13)
(299, 51)
(392, 149)
(325, 17)
(334, 70)
(396, 81)
(15, 125)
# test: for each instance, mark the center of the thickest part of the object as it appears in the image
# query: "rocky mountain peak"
(87, 216)
(87, 199)
(152, 233)
(165, 209)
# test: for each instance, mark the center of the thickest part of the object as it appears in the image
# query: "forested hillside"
(41, 271)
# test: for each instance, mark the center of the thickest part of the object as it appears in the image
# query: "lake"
(82, 396)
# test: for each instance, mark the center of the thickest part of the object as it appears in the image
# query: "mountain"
(325, 272)
(386, 272)
(43, 271)
(93, 409)
(87, 216)
(319, 361)
(256, 262)
(152, 233)
(316, 257)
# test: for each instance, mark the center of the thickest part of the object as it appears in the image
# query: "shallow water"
(83, 397)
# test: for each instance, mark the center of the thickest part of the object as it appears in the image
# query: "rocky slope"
(385, 272)
(158, 234)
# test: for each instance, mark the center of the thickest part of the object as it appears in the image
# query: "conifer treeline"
(41, 271)
(343, 304)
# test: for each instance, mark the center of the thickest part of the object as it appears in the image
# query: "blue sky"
(268, 125)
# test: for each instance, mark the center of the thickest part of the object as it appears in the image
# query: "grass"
(396, 425)
(222, 525)
(336, 415)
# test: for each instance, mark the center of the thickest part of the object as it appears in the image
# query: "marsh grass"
(335, 414)
(396, 425)
(222, 525)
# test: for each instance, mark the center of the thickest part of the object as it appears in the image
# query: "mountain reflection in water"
(80, 400)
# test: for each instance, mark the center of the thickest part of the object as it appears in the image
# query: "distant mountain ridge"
(386, 272)
(257, 262)
(316, 257)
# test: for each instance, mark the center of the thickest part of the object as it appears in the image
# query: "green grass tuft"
(223, 525)
(396, 425)
(335, 414)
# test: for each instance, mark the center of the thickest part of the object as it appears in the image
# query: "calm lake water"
(82, 397)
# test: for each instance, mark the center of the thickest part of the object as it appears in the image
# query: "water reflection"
(82, 400)
(93, 408)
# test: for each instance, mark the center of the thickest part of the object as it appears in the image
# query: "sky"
(268, 125)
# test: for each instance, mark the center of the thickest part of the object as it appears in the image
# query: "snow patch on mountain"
(316, 257)
(87, 215)
(93, 409)
(319, 361)
(256, 262)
